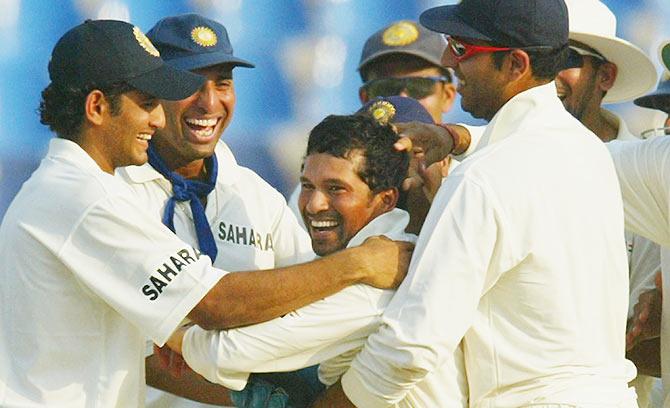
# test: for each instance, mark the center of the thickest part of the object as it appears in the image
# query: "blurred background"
(305, 51)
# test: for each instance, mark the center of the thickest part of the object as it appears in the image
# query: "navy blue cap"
(659, 99)
(191, 41)
(103, 52)
(396, 109)
(511, 23)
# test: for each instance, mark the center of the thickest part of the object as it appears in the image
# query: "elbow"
(210, 314)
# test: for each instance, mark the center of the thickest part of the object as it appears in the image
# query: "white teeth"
(202, 122)
(144, 136)
(204, 132)
(323, 224)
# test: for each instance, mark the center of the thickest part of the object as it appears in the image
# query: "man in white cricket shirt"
(88, 275)
(349, 187)
(521, 257)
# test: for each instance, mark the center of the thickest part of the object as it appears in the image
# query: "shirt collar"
(516, 113)
(70, 151)
(615, 120)
(391, 224)
(227, 175)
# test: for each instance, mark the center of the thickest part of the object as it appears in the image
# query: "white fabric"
(643, 168)
(513, 260)
(240, 203)
(644, 261)
(333, 328)
(82, 288)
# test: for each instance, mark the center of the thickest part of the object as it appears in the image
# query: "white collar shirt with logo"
(332, 329)
(643, 168)
(523, 258)
(250, 223)
(79, 260)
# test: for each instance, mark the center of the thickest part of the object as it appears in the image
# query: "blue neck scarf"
(189, 190)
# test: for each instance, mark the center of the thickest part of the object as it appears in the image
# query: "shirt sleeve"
(458, 257)
(302, 338)
(137, 266)
(643, 168)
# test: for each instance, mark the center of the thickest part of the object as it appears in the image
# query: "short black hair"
(545, 64)
(389, 65)
(62, 106)
(344, 136)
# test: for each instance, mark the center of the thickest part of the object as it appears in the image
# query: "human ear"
(95, 107)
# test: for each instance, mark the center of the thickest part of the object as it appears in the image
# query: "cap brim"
(198, 61)
(636, 74)
(168, 83)
(447, 20)
(657, 99)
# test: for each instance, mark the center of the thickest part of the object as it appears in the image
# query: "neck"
(597, 123)
(97, 152)
(188, 169)
(193, 170)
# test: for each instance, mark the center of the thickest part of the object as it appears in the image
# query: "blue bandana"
(189, 190)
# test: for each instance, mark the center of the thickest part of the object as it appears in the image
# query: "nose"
(157, 117)
(316, 202)
(207, 96)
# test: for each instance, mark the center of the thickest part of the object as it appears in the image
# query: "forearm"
(333, 397)
(190, 385)
(245, 298)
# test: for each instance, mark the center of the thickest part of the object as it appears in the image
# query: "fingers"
(403, 144)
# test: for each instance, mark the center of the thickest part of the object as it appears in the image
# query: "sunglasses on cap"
(576, 56)
(414, 87)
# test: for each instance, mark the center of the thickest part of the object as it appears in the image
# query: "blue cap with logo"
(396, 109)
(103, 52)
(191, 41)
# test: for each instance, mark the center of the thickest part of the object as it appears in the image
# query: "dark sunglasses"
(576, 57)
(415, 87)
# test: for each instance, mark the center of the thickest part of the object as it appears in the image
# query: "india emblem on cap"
(399, 34)
(145, 42)
(204, 36)
(382, 111)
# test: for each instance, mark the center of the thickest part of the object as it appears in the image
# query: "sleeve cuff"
(358, 393)
(199, 351)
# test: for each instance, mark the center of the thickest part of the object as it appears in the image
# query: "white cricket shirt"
(643, 168)
(522, 257)
(87, 275)
(333, 328)
(251, 224)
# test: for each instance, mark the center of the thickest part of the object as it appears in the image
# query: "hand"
(432, 141)
(176, 339)
(646, 321)
(169, 360)
(384, 261)
(429, 179)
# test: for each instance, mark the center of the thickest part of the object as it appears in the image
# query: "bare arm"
(189, 385)
(245, 298)
(333, 397)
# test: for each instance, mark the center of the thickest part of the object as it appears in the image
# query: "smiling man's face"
(334, 201)
(194, 125)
